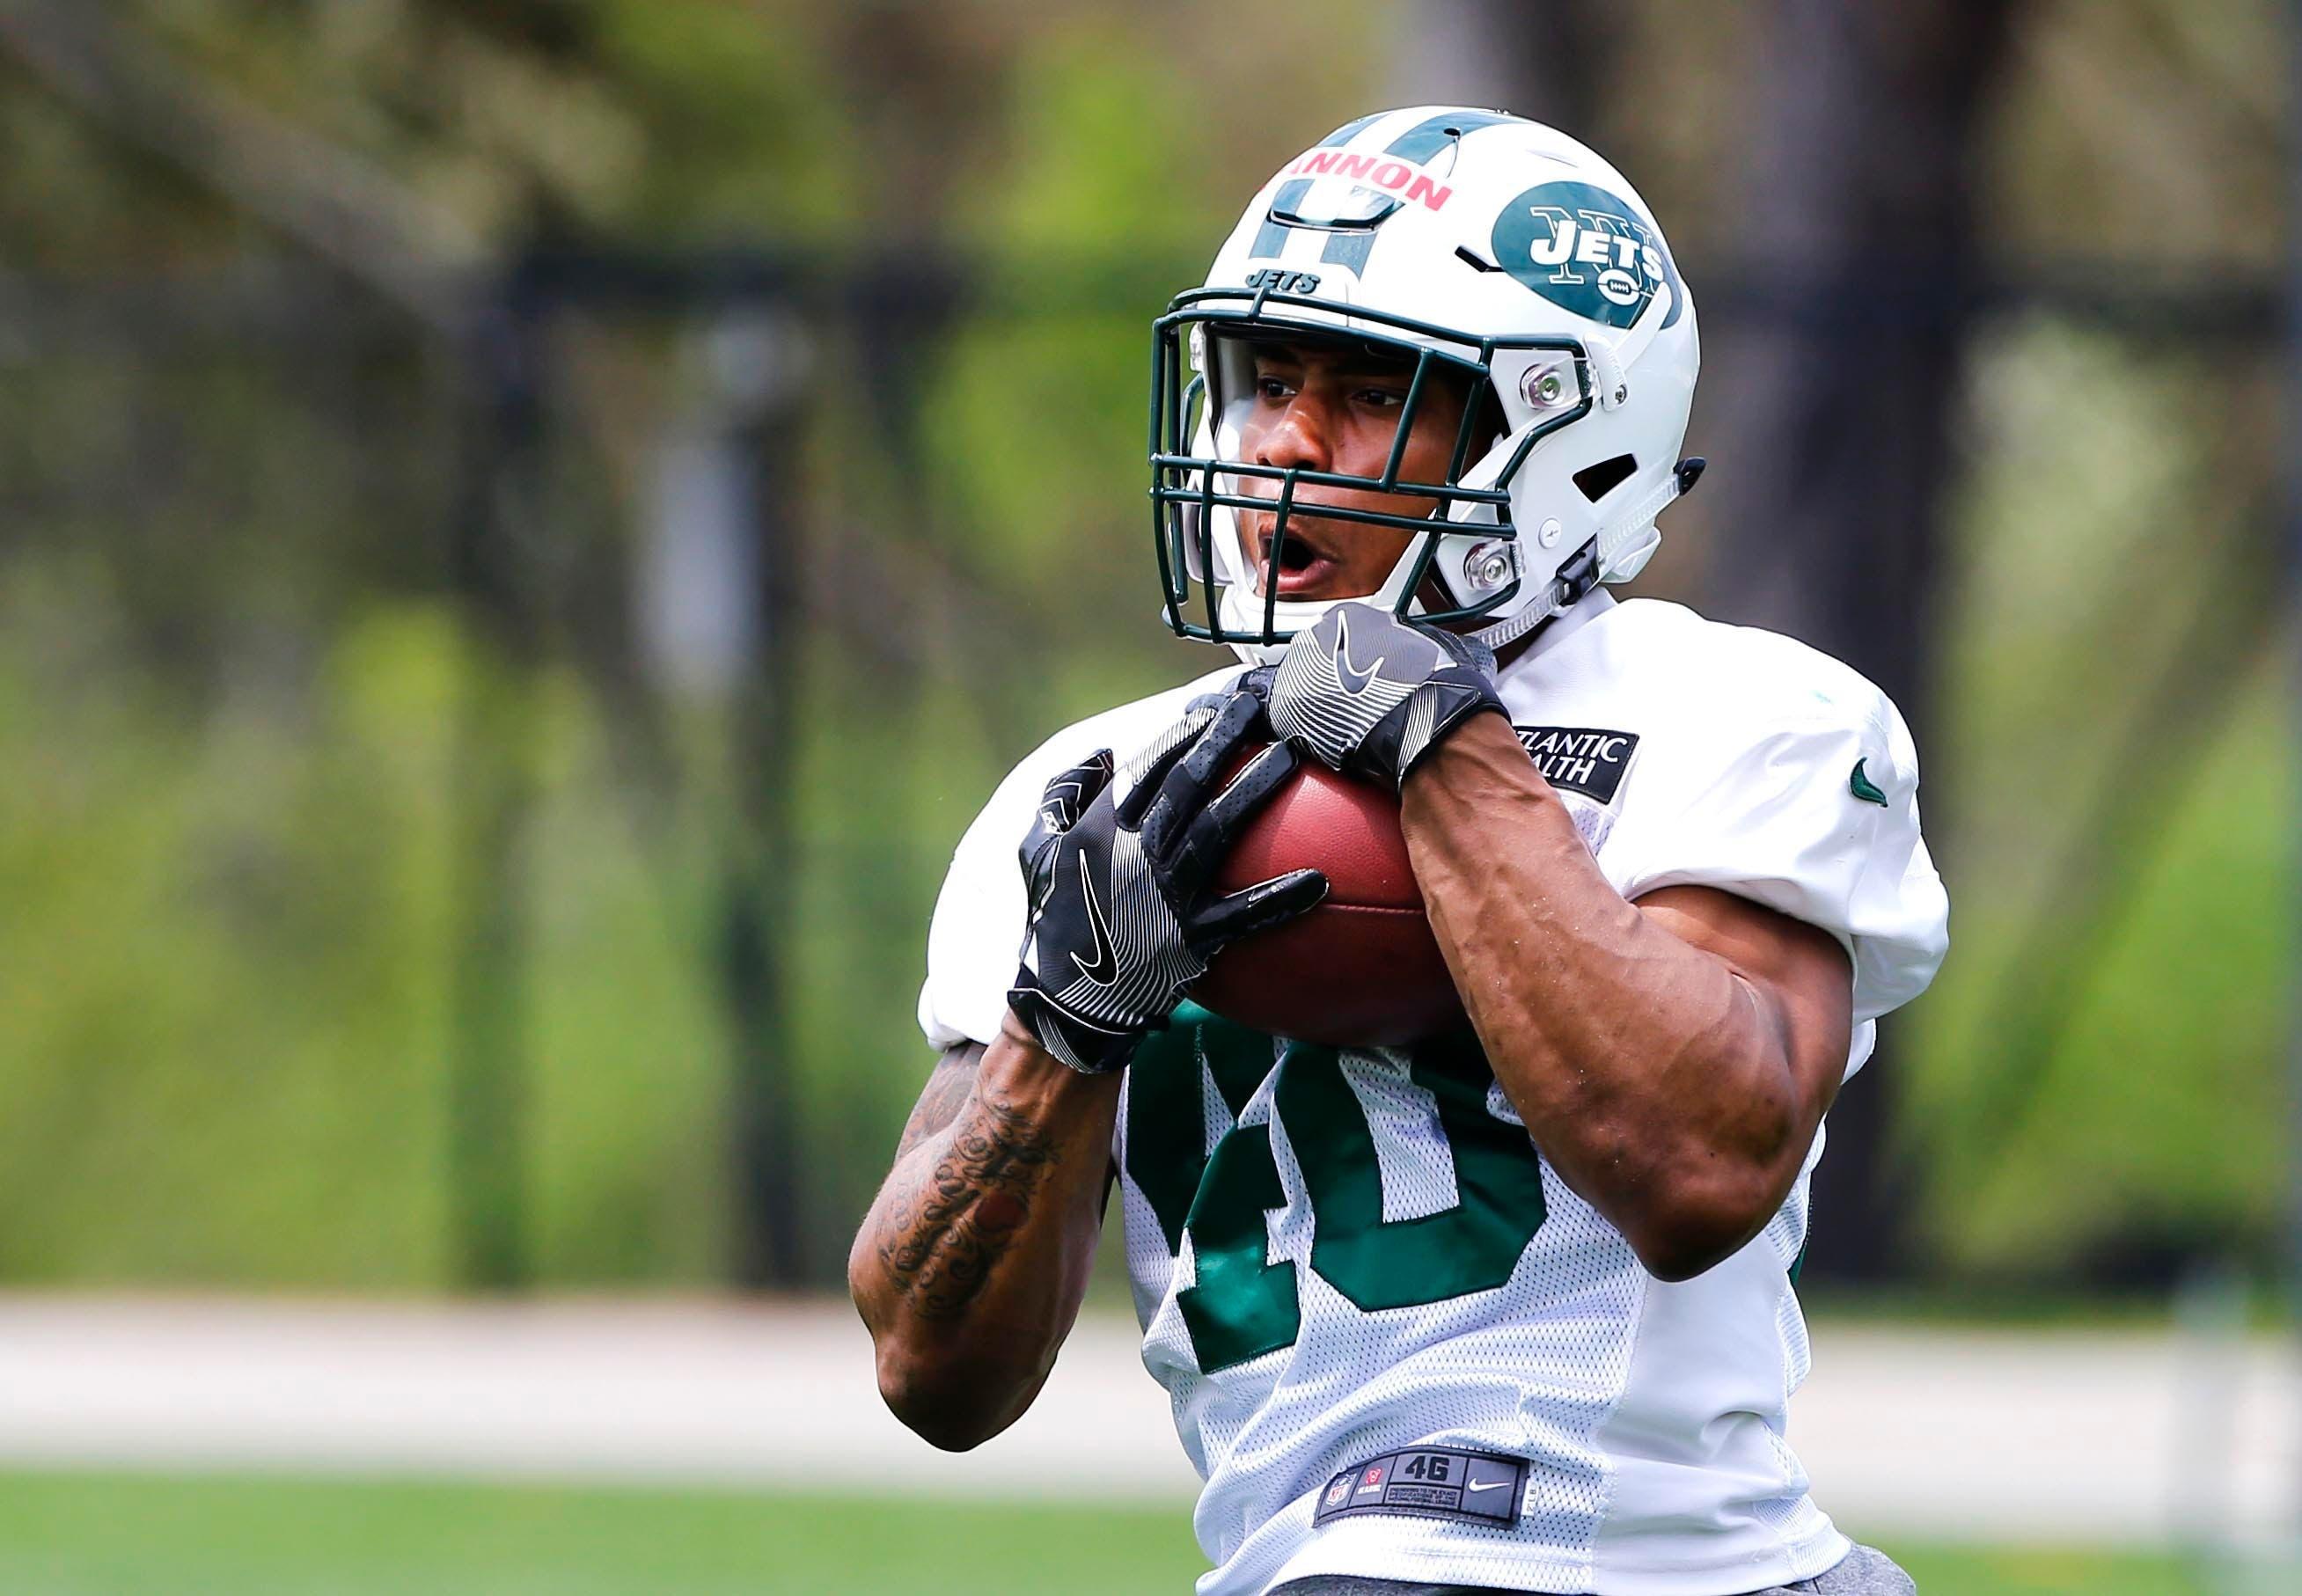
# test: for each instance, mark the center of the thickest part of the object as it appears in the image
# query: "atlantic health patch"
(1580, 758)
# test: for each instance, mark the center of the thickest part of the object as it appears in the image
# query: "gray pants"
(1864, 1572)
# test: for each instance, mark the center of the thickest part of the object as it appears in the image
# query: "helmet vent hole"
(1600, 480)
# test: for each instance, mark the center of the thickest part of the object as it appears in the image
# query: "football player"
(1514, 1313)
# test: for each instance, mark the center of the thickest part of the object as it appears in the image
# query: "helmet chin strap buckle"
(1576, 578)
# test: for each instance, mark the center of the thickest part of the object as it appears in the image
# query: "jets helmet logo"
(1587, 252)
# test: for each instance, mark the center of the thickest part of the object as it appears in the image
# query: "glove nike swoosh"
(1353, 678)
(1103, 968)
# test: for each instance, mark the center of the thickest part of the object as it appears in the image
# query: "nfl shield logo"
(1336, 1490)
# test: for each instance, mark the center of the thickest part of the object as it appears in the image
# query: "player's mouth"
(1305, 564)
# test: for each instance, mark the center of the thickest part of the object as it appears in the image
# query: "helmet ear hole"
(1600, 480)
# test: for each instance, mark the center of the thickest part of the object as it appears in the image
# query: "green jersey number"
(1242, 1305)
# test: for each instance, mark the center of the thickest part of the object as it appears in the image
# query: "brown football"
(1361, 969)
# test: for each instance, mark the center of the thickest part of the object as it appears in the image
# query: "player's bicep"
(949, 1086)
(1801, 973)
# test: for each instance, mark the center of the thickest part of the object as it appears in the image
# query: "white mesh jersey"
(1338, 1255)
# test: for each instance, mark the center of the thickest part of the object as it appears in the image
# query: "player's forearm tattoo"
(939, 1104)
(944, 1233)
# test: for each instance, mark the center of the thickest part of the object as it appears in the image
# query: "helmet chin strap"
(1561, 597)
(1595, 561)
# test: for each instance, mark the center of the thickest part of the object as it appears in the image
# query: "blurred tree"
(1859, 226)
(1554, 62)
(232, 664)
(1856, 227)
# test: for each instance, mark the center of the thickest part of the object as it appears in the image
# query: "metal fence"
(480, 792)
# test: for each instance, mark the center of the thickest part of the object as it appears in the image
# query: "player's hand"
(1368, 694)
(1117, 868)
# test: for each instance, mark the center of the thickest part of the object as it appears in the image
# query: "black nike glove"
(1369, 694)
(1116, 867)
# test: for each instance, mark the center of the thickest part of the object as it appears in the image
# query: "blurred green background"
(420, 874)
(59, 1536)
(528, 528)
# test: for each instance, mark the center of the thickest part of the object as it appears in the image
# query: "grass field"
(64, 1534)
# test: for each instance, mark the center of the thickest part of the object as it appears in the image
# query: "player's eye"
(1382, 399)
(1273, 389)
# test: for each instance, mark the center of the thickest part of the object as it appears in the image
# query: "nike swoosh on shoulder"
(1860, 784)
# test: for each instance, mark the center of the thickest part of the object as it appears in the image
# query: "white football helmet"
(1467, 241)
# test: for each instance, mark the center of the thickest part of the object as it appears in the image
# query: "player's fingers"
(1247, 792)
(1256, 685)
(1184, 792)
(1067, 797)
(1245, 682)
(1140, 777)
(1181, 789)
(1207, 836)
(1256, 908)
(1060, 804)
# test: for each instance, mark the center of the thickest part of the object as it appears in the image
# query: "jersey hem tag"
(1484, 1488)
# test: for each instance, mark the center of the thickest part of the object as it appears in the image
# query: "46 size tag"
(1429, 1483)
